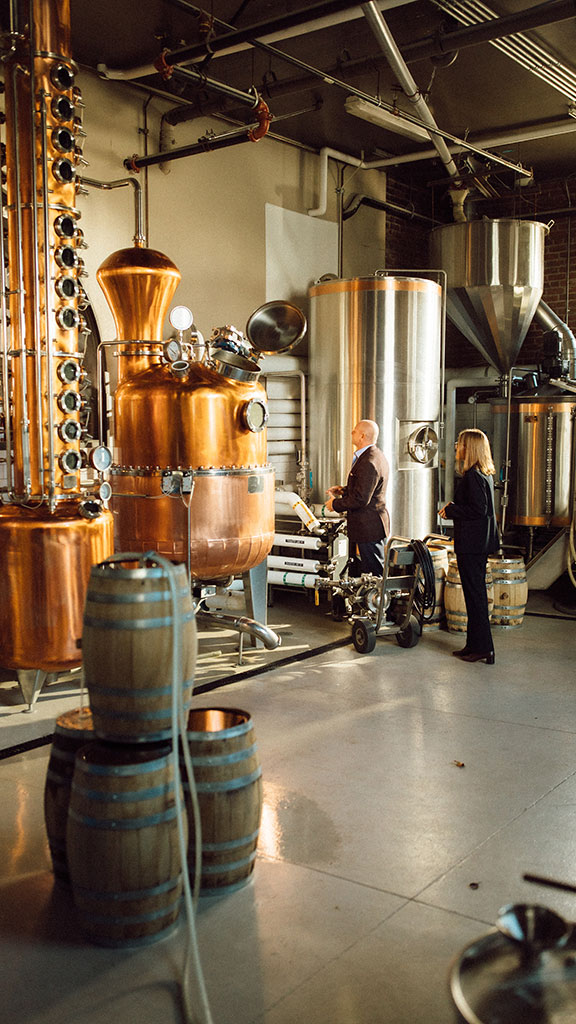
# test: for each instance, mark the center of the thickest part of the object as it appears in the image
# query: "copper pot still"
(190, 476)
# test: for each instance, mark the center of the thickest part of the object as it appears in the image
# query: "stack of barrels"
(507, 590)
(121, 850)
(110, 797)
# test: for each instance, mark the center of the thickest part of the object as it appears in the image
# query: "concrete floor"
(405, 795)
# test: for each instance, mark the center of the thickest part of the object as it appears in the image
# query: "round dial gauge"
(181, 318)
(101, 458)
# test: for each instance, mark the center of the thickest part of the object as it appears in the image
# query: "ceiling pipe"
(438, 45)
(198, 51)
(247, 133)
(394, 57)
(507, 136)
(359, 199)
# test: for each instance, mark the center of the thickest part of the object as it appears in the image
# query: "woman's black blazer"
(472, 511)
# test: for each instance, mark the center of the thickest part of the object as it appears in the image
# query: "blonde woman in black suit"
(475, 537)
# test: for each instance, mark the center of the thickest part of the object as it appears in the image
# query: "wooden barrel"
(122, 844)
(127, 650)
(72, 730)
(228, 780)
(454, 603)
(439, 555)
(510, 591)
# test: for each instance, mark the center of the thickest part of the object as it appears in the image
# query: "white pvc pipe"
(292, 579)
(227, 600)
(302, 564)
(304, 513)
(297, 540)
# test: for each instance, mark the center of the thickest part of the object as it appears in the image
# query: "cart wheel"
(364, 636)
(410, 635)
(339, 610)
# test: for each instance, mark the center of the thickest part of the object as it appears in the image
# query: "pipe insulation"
(302, 564)
(297, 540)
(292, 579)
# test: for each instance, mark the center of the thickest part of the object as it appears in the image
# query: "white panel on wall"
(299, 250)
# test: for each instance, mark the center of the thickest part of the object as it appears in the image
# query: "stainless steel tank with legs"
(375, 353)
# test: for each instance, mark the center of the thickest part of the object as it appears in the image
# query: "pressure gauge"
(105, 491)
(100, 458)
(172, 350)
(181, 318)
(255, 415)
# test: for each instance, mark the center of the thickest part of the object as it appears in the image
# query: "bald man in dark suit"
(363, 499)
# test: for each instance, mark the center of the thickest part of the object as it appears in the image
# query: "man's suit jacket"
(364, 497)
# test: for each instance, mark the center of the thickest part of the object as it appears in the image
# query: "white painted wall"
(208, 213)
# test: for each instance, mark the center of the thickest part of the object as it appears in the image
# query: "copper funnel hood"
(495, 278)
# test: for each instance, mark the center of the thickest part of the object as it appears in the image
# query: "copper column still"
(190, 476)
(52, 529)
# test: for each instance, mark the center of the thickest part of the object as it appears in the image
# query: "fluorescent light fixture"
(385, 119)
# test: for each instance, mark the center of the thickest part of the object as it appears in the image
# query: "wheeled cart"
(391, 605)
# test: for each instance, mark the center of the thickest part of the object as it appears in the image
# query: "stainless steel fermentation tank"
(542, 440)
(495, 276)
(376, 353)
(494, 280)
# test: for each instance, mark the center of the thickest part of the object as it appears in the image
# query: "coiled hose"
(425, 595)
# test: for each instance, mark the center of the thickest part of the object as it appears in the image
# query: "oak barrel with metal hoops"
(510, 591)
(228, 780)
(454, 603)
(127, 649)
(122, 843)
(73, 729)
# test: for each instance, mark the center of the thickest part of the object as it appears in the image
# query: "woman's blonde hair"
(476, 447)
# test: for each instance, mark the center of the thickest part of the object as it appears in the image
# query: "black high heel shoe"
(487, 656)
(461, 652)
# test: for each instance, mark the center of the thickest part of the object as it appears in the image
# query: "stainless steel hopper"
(495, 277)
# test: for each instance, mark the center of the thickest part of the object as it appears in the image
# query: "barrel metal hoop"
(224, 787)
(218, 759)
(102, 796)
(145, 597)
(136, 716)
(218, 869)
(136, 894)
(168, 620)
(123, 769)
(108, 570)
(127, 919)
(221, 734)
(122, 824)
(140, 693)
(233, 844)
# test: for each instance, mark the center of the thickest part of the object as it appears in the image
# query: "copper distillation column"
(52, 528)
